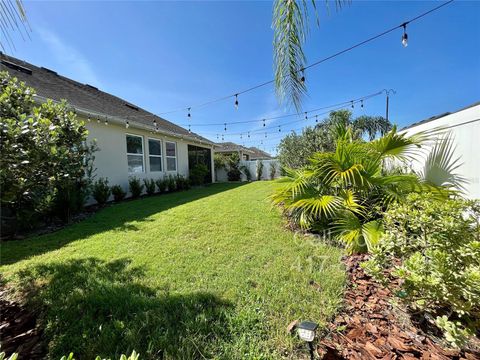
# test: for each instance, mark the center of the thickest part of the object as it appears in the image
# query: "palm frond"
(12, 19)
(323, 206)
(372, 232)
(398, 146)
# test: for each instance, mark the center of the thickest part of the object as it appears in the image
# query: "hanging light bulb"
(88, 118)
(302, 79)
(189, 129)
(223, 138)
(155, 122)
(127, 124)
(236, 101)
(361, 104)
(241, 136)
(225, 126)
(265, 135)
(353, 106)
(189, 115)
(306, 117)
(249, 134)
(279, 128)
(106, 121)
(405, 35)
(263, 122)
(316, 118)
(217, 136)
(98, 120)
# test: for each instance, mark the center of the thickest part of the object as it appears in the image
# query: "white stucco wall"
(464, 126)
(111, 158)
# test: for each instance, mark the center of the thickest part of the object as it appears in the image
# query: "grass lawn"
(208, 273)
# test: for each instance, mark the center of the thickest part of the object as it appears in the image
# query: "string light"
(353, 106)
(265, 135)
(405, 35)
(236, 101)
(217, 136)
(302, 79)
(189, 129)
(241, 136)
(316, 118)
(88, 118)
(106, 121)
(155, 122)
(361, 102)
(249, 134)
(263, 122)
(306, 117)
(189, 115)
(225, 126)
(223, 139)
(279, 128)
(127, 124)
(98, 120)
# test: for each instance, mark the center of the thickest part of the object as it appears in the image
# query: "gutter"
(121, 121)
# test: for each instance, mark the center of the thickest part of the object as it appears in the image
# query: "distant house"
(131, 140)
(229, 148)
(464, 127)
(259, 154)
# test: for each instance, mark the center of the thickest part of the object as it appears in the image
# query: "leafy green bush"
(171, 183)
(198, 174)
(161, 185)
(136, 188)
(273, 170)
(247, 172)
(260, 166)
(182, 183)
(47, 162)
(101, 191)
(133, 356)
(118, 193)
(233, 167)
(149, 186)
(438, 245)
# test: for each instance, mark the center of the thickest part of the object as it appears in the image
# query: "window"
(155, 154)
(171, 156)
(135, 153)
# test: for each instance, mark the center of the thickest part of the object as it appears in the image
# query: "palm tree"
(290, 26)
(346, 191)
(12, 18)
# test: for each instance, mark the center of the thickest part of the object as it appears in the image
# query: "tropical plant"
(273, 170)
(433, 247)
(295, 150)
(198, 174)
(346, 191)
(182, 183)
(260, 166)
(135, 187)
(246, 171)
(233, 167)
(14, 20)
(171, 183)
(149, 186)
(101, 191)
(133, 356)
(118, 193)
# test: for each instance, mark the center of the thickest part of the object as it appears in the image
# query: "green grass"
(208, 273)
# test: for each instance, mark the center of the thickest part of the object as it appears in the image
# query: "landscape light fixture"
(306, 332)
(405, 35)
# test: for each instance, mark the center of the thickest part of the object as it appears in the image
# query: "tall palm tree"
(346, 191)
(12, 18)
(290, 26)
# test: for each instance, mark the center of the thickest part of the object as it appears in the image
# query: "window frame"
(135, 154)
(174, 157)
(157, 156)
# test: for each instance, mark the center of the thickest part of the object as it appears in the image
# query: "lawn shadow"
(115, 217)
(92, 307)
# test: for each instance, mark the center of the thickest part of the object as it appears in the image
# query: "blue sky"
(169, 55)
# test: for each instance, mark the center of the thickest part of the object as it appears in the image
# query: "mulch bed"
(370, 327)
(19, 331)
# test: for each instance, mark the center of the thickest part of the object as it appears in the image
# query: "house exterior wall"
(464, 126)
(111, 158)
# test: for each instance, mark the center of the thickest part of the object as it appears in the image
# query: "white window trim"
(158, 156)
(135, 154)
(175, 157)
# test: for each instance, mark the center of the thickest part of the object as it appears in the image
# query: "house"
(259, 154)
(131, 140)
(464, 128)
(229, 148)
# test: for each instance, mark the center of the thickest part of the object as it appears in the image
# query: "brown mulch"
(19, 331)
(370, 327)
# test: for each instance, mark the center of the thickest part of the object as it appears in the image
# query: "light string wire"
(316, 63)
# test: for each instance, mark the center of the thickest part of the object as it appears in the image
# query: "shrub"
(438, 245)
(198, 174)
(171, 183)
(47, 162)
(259, 169)
(149, 186)
(101, 191)
(273, 170)
(118, 193)
(182, 183)
(233, 166)
(161, 185)
(136, 188)
(247, 172)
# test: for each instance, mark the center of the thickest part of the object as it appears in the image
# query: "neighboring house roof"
(231, 147)
(436, 117)
(87, 98)
(260, 154)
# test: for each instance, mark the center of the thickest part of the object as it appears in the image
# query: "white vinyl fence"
(253, 165)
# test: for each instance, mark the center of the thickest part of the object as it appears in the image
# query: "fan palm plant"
(347, 190)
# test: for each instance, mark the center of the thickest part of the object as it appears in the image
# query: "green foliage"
(133, 356)
(198, 174)
(246, 170)
(273, 170)
(438, 244)
(161, 185)
(101, 191)
(118, 193)
(182, 183)
(47, 165)
(347, 190)
(3, 356)
(171, 183)
(135, 186)
(295, 150)
(149, 186)
(233, 167)
(260, 166)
